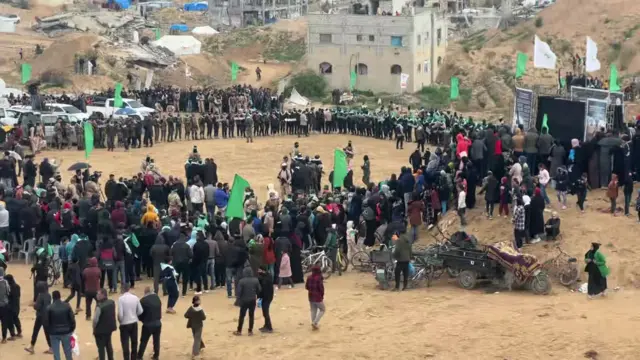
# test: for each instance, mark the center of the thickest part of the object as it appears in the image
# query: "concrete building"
(255, 12)
(378, 48)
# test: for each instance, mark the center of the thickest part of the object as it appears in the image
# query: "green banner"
(613, 79)
(455, 90)
(340, 168)
(521, 64)
(234, 71)
(352, 79)
(88, 139)
(235, 206)
(545, 124)
(26, 73)
(117, 98)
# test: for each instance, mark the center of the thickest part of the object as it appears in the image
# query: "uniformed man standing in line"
(248, 127)
(208, 119)
(125, 131)
(224, 121)
(170, 127)
(200, 100)
(187, 129)
(163, 126)
(111, 135)
(79, 130)
(201, 125)
(156, 126)
(178, 125)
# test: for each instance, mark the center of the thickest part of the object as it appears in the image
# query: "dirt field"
(442, 322)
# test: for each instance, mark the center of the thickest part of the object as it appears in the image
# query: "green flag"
(563, 83)
(235, 206)
(117, 98)
(26, 73)
(88, 139)
(339, 168)
(455, 90)
(352, 80)
(521, 65)
(545, 125)
(157, 32)
(234, 71)
(613, 79)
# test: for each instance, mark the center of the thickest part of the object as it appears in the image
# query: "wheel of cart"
(467, 279)
(540, 283)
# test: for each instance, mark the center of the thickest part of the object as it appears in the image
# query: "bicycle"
(361, 260)
(564, 266)
(319, 258)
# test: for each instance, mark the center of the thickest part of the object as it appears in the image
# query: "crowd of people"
(179, 234)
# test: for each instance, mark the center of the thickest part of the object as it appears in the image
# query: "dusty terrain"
(362, 322)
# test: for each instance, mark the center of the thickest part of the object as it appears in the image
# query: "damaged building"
(240, 13)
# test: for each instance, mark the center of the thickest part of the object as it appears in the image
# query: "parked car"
(105, 106)
(10, 17)
(59, 108)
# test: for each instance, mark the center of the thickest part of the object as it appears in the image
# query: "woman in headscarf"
(322, 223)
(558, 156)
(150, 217)
(597, 270)
(536, 224)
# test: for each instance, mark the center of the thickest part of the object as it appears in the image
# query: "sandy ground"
(362, 322)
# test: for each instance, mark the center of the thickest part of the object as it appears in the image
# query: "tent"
(179, 44)
(204, 30)
(123, 4)
(196, 6)
(297, 99)
(179, 28)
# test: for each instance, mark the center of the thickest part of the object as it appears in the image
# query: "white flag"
(592, 62)
(543, 57)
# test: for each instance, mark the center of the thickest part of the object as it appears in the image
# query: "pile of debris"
(104, 23)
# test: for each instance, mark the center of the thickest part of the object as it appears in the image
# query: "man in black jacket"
(199, 263)
(151, 322)
(181, 254)
(104, 324)
(61, 322)
(266, 294)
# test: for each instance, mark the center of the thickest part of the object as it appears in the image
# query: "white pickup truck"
(105, 107)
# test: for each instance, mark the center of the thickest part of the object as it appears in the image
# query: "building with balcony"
(379, 48)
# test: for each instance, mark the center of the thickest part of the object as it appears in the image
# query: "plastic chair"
(28, 247)
(7, 247)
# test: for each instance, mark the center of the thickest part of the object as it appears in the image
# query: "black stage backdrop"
(565, 118)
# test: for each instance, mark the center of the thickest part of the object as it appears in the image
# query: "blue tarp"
(123, 4)
(179, 27)
(197, 6)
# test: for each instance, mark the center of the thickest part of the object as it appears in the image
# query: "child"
(352, 234)
(285, 270)
(73, 278)
(195, 321)
(462, 205)
(562, 185)
(504, 197)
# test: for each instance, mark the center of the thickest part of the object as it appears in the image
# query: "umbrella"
(125, 111)
(15, 155)
(79, 166)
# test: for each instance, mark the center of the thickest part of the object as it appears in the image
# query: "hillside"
(485, 61)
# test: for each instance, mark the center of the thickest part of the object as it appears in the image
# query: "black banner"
(523, 108)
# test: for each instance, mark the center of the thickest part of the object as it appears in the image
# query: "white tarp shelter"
(180, 44)
(204, 30)
(297, 99)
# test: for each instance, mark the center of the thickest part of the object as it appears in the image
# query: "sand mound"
(60, 56)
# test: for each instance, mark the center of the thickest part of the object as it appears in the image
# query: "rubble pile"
(110, 24)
